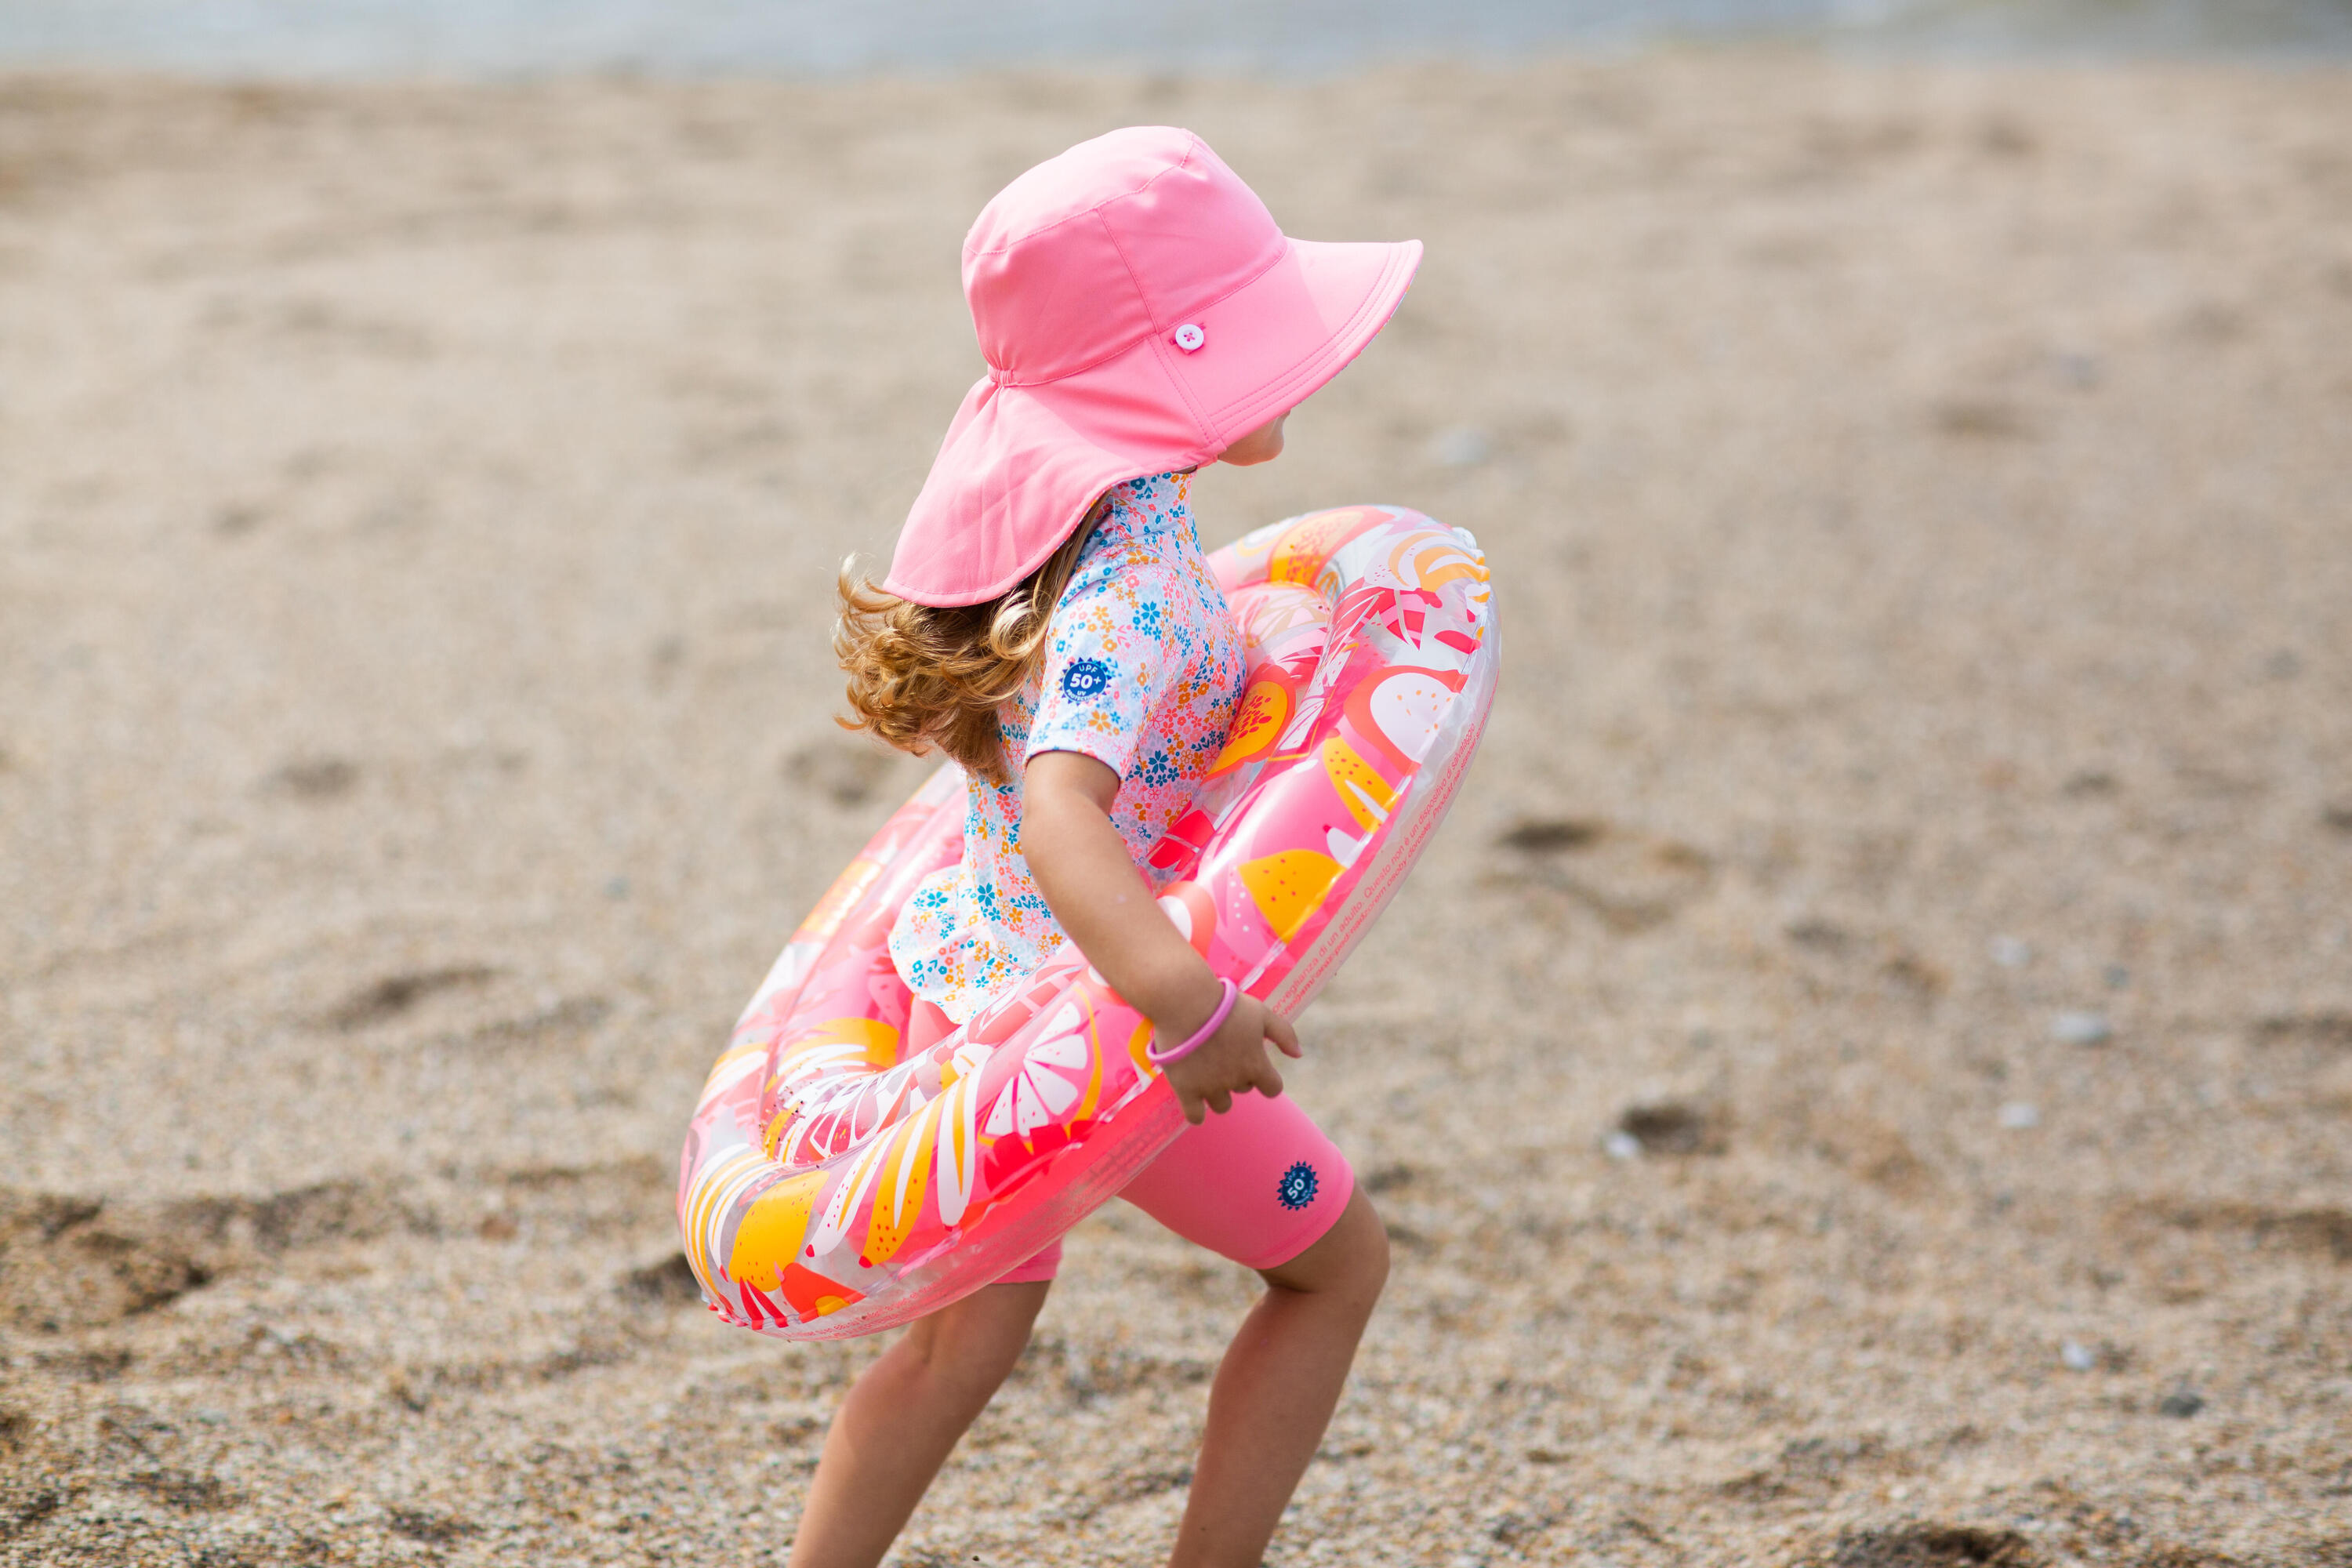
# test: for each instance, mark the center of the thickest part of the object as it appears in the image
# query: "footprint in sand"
(845, 772)
(1632, 879)
(314, 779)
(65, 1264)
(395, 993)
(1929, 1546)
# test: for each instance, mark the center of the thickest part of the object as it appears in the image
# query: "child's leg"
(903, 1418)
(1276, 1390)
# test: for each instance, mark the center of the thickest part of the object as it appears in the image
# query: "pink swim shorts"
(1259, 1184)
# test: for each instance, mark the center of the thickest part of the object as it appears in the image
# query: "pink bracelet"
(1202, 1034)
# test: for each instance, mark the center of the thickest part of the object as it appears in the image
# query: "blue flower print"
(1086, 678)
(1147, 670)
(1297, 1187)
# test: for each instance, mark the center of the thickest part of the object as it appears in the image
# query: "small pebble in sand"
(2181, 1404)
(1464, 446)
(2117, 976)
(2010, 951)
(2081, 369)
(2017, 1115)
(2081, 1029)
(2078, 1356)
(1622, 1145)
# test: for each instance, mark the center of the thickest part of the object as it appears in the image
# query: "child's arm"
(1082, 867)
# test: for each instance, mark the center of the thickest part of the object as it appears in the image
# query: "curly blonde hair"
(923, 675)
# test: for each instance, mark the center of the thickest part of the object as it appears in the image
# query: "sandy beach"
(1864, 1079)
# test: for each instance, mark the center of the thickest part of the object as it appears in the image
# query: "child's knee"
(1350, 1260)
(1367, 1259)
(975, 1343)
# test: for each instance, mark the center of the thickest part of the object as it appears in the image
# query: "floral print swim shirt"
(1143, 668)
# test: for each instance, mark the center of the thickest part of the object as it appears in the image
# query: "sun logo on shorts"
(1297, 1187)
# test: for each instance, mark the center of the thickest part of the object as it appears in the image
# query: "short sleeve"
(1105, 658)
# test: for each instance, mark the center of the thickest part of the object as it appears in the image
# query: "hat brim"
(1021, 463)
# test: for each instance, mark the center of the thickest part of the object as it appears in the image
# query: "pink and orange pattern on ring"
(834, 1182)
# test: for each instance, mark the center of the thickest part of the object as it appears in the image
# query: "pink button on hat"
(1139, 312)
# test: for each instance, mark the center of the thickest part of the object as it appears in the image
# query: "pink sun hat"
(1139, 312)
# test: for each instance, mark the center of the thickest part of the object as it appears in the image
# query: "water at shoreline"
(339, 39)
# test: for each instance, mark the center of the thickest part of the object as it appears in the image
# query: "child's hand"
(1103, 902)
(1233, 1060)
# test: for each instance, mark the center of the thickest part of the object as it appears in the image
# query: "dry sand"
(1924, 512)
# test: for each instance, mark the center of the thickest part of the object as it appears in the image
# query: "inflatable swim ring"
(834, 1182)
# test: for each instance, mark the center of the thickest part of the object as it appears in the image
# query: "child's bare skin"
(1090, 883)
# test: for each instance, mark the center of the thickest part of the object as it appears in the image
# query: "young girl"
(1049, 622)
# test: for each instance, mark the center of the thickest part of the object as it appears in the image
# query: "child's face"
(1262, 444)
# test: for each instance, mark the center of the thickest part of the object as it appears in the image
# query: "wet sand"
(1863, 1079)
